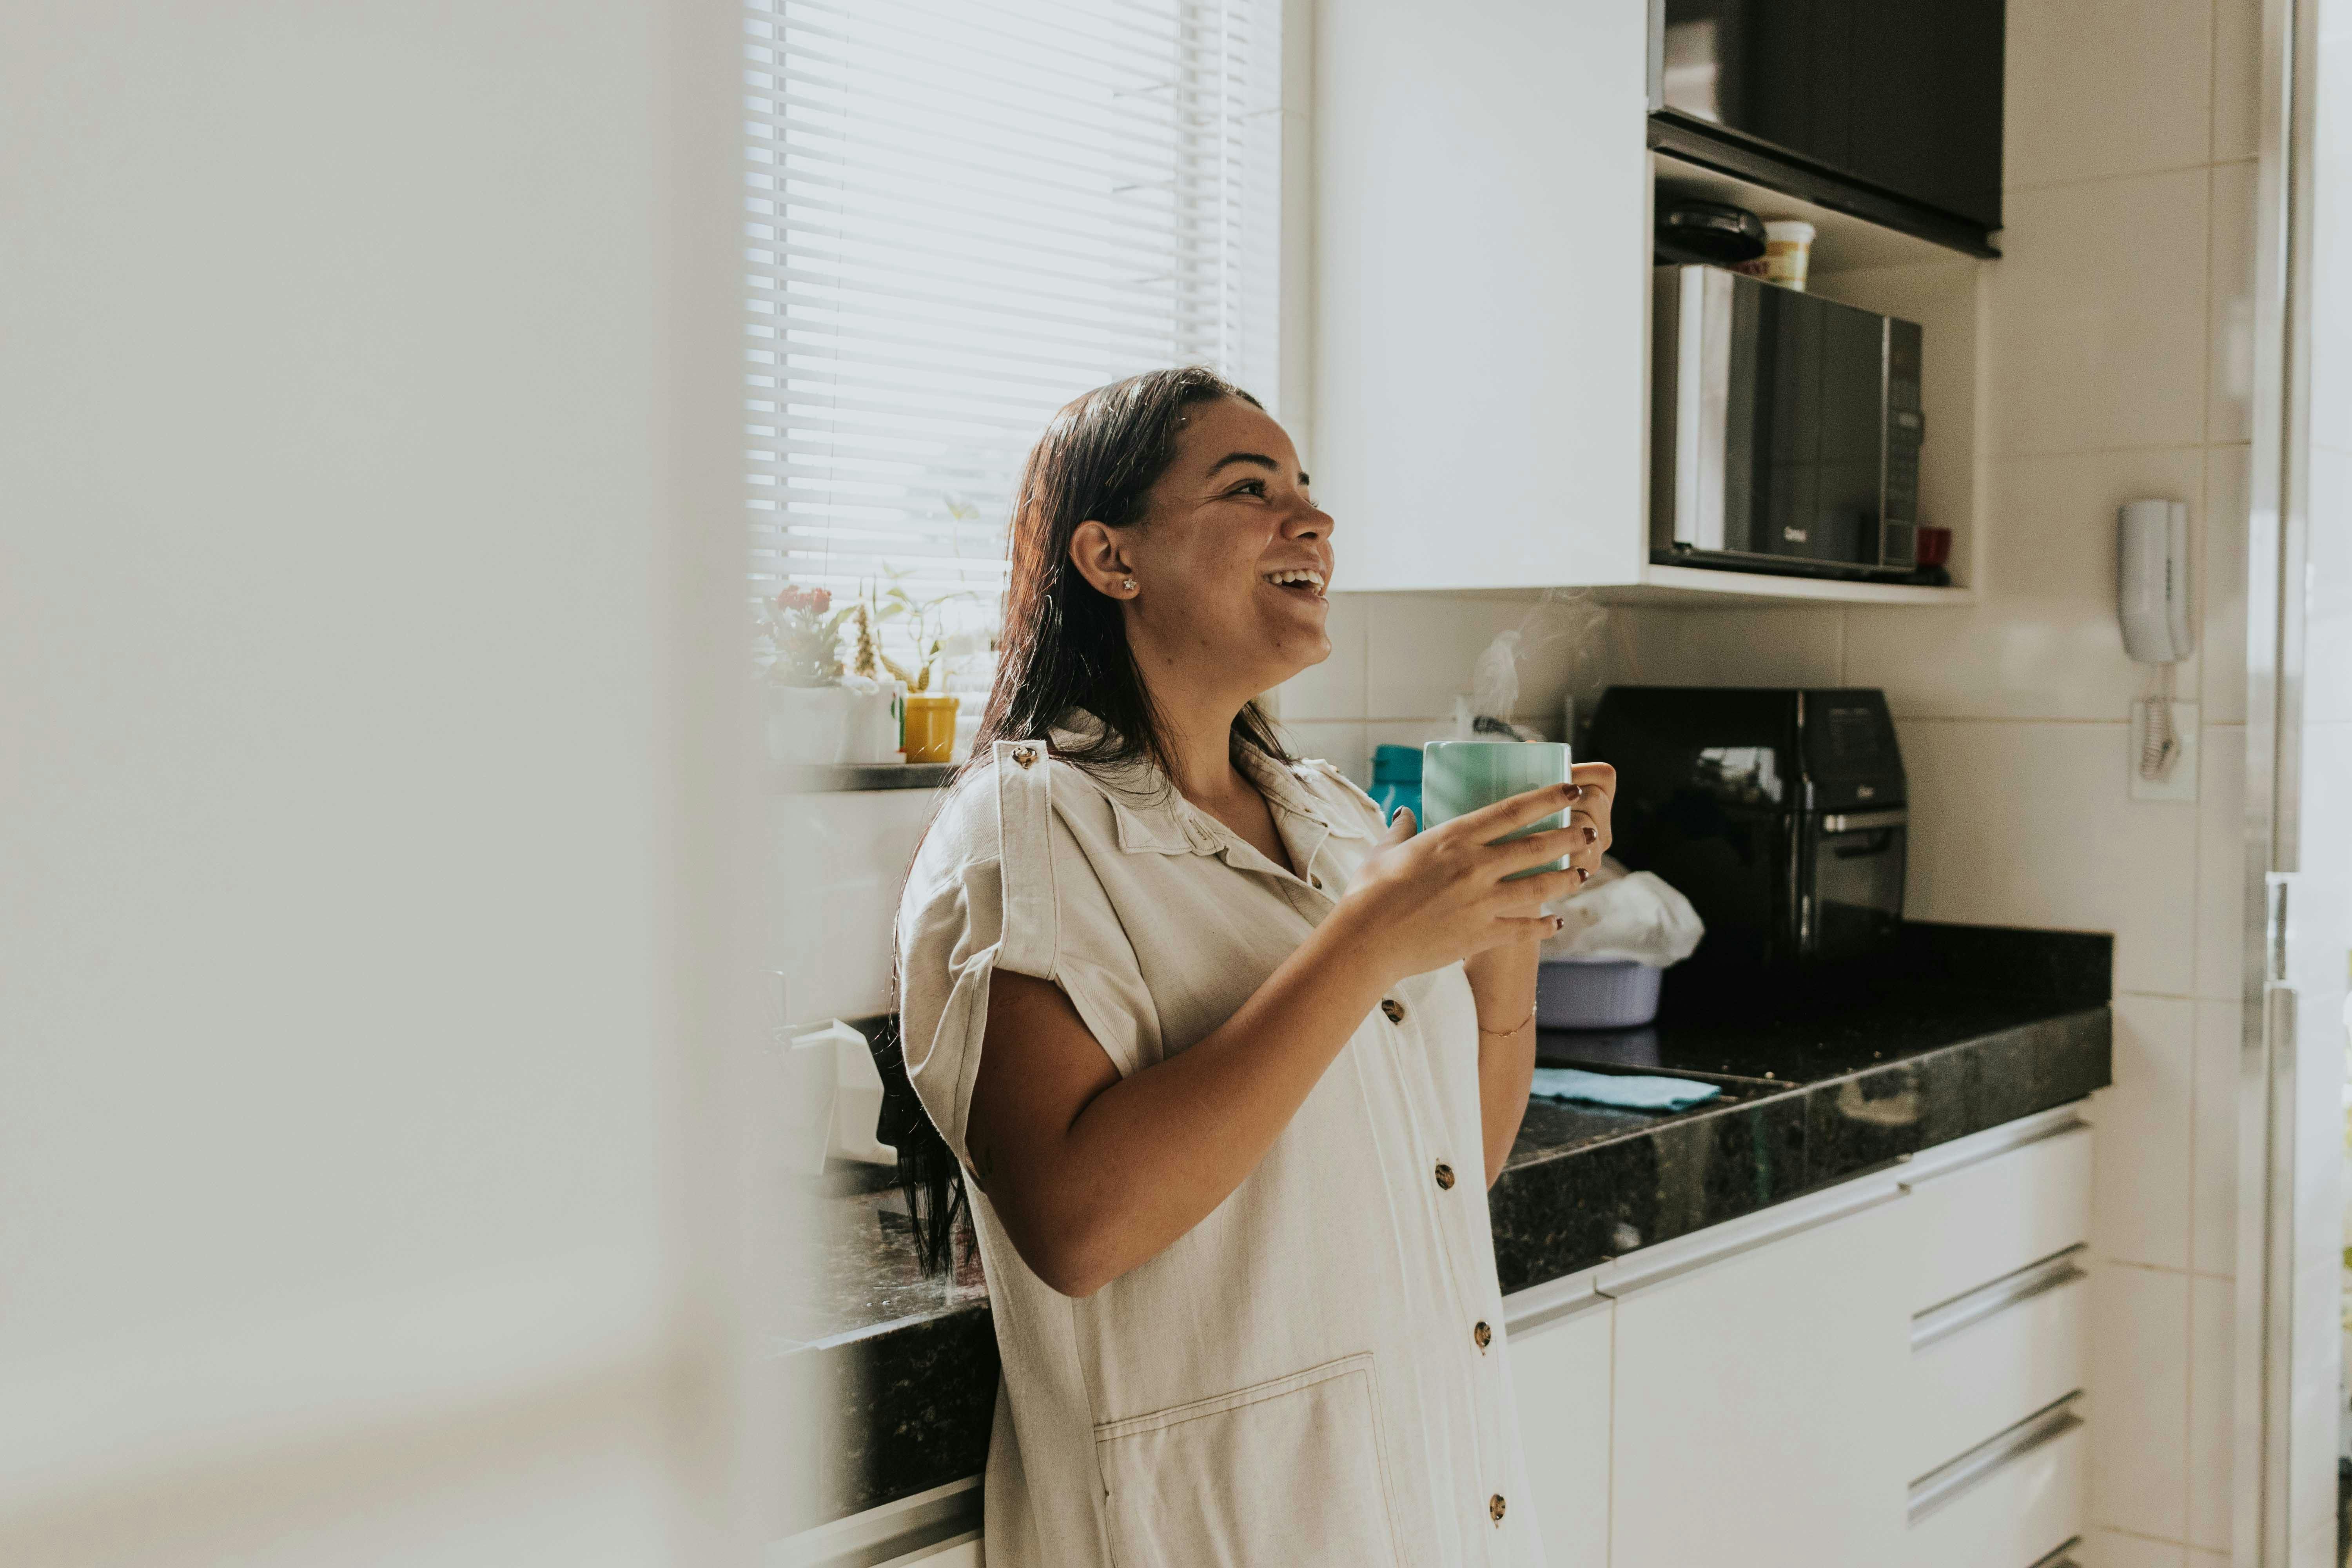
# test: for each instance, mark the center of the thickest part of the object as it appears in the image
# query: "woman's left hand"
(1598, 781)
(1503, 981)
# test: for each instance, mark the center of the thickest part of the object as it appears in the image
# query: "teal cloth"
(1615, 1088)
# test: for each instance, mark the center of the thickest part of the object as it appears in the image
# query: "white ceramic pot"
(808, 724)
(871, 732)
(856, 721)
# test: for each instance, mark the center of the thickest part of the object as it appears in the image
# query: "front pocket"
(1289, 1473)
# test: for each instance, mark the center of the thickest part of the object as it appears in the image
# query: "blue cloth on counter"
(1619, 1089)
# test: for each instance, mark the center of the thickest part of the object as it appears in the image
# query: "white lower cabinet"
(2021, 1347)
(2000, 1341)
(1887, 1372)
(2014, 1505)
(1987, 1206)
(1756, 1394)
(1560, 1367)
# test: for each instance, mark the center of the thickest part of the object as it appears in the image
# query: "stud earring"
(1129, 584)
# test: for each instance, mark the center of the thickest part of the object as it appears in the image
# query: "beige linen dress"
(1315, 1374)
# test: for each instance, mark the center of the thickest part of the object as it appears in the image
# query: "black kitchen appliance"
(1784, 430)
(1779, 813)
(1890, 108)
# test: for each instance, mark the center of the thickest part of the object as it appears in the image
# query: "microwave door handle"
(1864, 821)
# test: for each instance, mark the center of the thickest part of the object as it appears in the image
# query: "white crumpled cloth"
(1622, 914)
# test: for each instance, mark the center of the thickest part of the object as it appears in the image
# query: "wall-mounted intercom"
(2152, 603)
(2152, 580)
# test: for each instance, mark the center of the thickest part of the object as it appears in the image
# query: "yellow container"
(930, 727)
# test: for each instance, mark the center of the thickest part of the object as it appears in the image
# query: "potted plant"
(930, 716)
(816, 712)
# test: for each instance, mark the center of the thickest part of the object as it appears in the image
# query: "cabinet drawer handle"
(1941, 1485)
(1931, 1165)
(1945, 1319)
(1553, 1301)
(1687, 1254)
(2061, 1558)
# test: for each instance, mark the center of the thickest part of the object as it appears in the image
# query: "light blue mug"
(1458, 777)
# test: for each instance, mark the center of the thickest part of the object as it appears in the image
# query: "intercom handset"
(2152, 581)
(2152, 592)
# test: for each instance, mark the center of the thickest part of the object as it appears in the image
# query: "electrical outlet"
(2180, 784)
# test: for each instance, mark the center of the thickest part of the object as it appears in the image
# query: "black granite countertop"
(1959, 1030)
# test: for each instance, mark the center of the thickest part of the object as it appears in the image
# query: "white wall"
(369, 581)
(1397, 660)
(2118, 358)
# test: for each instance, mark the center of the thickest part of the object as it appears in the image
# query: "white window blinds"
(962, 213)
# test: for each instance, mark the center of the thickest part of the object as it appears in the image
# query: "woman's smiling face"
(1231, 562)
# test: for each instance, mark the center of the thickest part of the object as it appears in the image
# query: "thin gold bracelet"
(1514, 1030)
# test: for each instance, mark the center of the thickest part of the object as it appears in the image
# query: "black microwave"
(1785, 430)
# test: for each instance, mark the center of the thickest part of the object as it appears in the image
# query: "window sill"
(837, 778)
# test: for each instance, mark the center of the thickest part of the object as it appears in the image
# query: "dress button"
(1444, 1177)
(1315, 881)
(1495, 1507)
(1484, 1335)
(1393, 1008)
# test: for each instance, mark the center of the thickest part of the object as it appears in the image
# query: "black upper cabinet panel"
(1928, 87)
(1904, 95)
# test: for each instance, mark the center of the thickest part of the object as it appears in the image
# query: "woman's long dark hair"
(1063, 646)
(1063, 649)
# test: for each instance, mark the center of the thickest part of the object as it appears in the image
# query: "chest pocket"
(1290, 1473)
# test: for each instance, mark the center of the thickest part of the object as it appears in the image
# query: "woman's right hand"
(1423, 901)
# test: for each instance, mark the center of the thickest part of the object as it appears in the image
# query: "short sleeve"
(1004, 882)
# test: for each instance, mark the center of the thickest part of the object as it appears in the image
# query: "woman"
(1221, 1054)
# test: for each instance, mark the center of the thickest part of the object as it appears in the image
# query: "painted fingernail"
(1590, 836)
(1582, 875)
(1559, 924)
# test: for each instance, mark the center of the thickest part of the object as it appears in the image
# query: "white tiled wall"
(1397, 660)
(2118, 357)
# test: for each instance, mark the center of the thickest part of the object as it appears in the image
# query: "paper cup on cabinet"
(1458, 777)
(1788, 253)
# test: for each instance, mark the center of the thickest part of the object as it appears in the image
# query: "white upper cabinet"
(1482, 266)
(1482, 252)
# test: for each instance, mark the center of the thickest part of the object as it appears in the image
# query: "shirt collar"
(1154, 817)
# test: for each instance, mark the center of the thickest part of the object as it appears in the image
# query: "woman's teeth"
(1298, 577)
